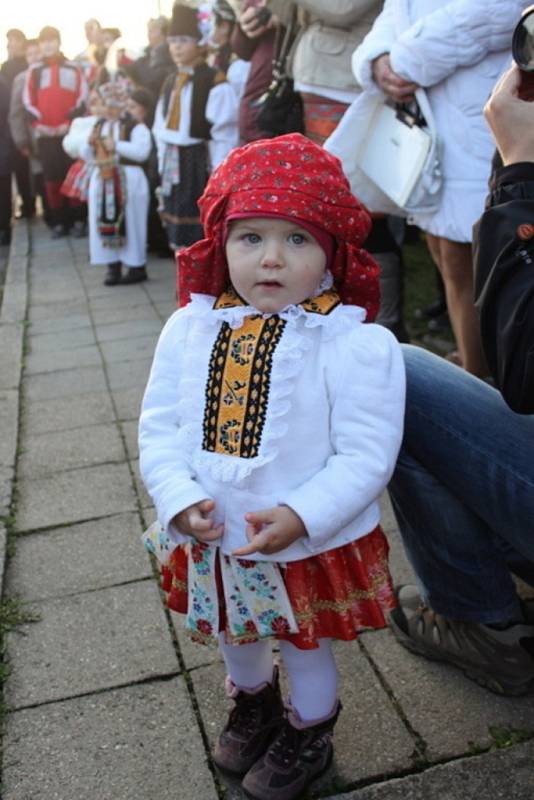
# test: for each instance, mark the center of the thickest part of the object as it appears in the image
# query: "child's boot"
(300, 753)
(252, 725)
(113, 275)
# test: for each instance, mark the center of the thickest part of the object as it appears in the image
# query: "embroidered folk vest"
(204, 79)
(237, 389)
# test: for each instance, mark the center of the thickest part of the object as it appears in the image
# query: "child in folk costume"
(270, 426)
(118, 146)
(195, 127)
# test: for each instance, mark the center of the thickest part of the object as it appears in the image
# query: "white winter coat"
(455, 49)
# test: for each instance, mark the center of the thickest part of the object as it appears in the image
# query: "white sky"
(69, 15)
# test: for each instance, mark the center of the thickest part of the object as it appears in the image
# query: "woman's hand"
(271, 530)
(255, 21)
(390, 82)
(511, 119)
(195, 521)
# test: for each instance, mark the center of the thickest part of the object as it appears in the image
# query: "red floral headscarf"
(293, 177)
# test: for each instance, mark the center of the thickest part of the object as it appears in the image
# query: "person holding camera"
(463, 489)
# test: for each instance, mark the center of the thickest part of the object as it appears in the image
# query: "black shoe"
(134, 275)
(58, 232)
(298, 755)
(113, 275)
(79, 230)
(433, 310)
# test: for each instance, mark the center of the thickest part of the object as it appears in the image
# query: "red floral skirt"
(333, 595)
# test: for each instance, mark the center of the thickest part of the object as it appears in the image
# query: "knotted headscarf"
(293, 177)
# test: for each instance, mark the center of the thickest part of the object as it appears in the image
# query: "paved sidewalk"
(107, 698)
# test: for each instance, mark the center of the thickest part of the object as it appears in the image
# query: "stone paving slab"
(88, 642)
(371, 739)
(71, 313)
(7, 476)
(502, 775)
(101, 553)
(452, 714)
(66, 383)
(54, 361)
(129, 430)
(63, 450)
(65, 413)
(74, 496)
(126, 297)
(128, 402)
(9, 408)
(59, 322)
(133, 374)
(139, 743)
(118, 316)
(11, 337)
(119, 331)
(127, 350)
(56, 342)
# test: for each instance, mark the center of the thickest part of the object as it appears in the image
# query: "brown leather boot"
(299, 754)
(252, 725)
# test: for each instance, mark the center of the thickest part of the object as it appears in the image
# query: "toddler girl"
(270, 427)
(118, 146)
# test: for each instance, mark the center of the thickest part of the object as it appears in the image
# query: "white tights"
(312, 673)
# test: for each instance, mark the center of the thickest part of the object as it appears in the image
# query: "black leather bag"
(280, 107)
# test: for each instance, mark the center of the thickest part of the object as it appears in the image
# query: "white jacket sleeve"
(222, 111)
(139, 146)
(459, 34)
(165, 472)
(366, 431)
(379, 40)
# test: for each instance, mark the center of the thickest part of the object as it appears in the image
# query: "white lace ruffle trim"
(288, 361)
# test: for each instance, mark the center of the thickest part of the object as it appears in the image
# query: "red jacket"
(55, 88)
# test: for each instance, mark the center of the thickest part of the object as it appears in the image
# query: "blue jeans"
(463, 491)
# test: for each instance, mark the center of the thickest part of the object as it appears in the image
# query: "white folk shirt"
(331, 435)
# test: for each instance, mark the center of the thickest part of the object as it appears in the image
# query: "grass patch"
(13, 614)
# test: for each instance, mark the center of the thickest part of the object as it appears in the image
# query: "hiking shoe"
(252, 725)
(299, 754)
(499, 660)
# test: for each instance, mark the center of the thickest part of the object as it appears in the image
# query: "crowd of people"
(274, 417)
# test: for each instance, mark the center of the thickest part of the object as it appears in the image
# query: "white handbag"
(390, 156)
(394, 154)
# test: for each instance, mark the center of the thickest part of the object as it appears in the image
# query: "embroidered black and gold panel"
(237, 390)
(239, 376)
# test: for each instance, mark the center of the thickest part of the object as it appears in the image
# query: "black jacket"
(504, 284)
(6, 146)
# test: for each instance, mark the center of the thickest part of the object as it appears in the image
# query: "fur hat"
(184, 22)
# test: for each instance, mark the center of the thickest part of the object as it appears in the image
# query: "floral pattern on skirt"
(335, 594)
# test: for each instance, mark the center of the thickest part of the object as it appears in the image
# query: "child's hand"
(271, 530)
(109, 144)
(196, 522)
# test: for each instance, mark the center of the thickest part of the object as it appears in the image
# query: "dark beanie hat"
(184, 22)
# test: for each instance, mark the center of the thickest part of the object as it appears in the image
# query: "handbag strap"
(283, 44)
